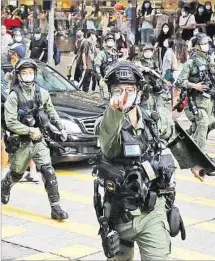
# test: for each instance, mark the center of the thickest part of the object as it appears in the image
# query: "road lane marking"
(210, 181)
(212, 155)
(76, 175)
(69, 226)
(75, 197)
(63, 194)
(81, 228)
(75, 251)
(9, 231)
(207, 226)
(89, 231)
(211, 145)
(196, 200)
(87, 177)
(67, 253)
(41, 257)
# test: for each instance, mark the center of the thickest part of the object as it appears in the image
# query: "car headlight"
(70, 126)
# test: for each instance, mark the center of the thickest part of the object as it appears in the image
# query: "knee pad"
(50, 182)
(49, 176)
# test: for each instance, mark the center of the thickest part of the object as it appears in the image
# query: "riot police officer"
(27, 111)
(131, 170)
(197, 78)
(105, 58)
(158, 93)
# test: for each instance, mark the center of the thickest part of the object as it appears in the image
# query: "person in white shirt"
(187, 23)
(6, 40)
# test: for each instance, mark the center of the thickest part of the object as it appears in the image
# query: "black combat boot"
(6, 185)
(58, 214)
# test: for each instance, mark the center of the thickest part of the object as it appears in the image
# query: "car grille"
(89, 124)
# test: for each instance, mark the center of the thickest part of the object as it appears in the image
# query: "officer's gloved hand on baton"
(35, 134)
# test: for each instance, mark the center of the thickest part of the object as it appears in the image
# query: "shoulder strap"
(38, 97)
(21, 101)
(187, 20)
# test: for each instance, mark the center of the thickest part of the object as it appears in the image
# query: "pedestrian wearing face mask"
(105, 58)
(161, 19)
(187, 23)
(147, 23)
(201, 17)
(121, 44)
(201, 93)
(38, 47)
(19, 38)
(165, 33)
(81, 56)
(89, 52)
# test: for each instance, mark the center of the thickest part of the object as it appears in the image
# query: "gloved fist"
(117, 102)
(102, 84)
(63, 135)
(35, 134)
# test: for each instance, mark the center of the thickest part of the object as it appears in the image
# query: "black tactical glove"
(176, 223)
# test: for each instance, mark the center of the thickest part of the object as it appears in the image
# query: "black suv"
(78, 111)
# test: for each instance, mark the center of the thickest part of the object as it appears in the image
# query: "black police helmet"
(109, 36)
(26, 63)
(123, 72)
(200, 37)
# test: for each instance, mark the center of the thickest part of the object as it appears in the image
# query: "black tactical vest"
(133, 182)
(109, 60)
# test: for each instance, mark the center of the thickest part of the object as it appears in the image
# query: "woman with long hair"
(165, 33)
(94, 18)
(146, 22)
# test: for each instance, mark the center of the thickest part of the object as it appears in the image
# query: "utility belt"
(210, 93)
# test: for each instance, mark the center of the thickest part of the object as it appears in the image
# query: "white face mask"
(183, 13)
(208, 7)
(110, 43)
(201, 10)
(117, 36)
(130, 101)
(37, 36)
(27, 79)
(147, 5)
(165, 30)
(205, 48)
(148, 55)
(18, 39)
(93, 38)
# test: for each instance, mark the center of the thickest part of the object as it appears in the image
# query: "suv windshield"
(52, 81)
